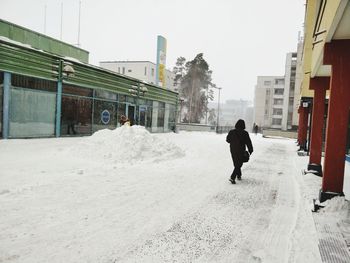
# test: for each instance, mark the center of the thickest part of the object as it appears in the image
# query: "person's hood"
(240, 125)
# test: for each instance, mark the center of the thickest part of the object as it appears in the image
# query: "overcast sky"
(240, 39)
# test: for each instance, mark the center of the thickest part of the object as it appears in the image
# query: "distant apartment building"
(143, 70)
(268, 101)
(289, 91)
(298, 82)
(275, 97)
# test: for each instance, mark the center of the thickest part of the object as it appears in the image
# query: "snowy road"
(62, 202)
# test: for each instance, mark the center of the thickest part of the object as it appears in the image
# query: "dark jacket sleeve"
(249, 144)
(229, 137)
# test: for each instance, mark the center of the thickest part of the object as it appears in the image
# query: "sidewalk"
(332, 222)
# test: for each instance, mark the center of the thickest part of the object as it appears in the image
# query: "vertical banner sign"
(161, 59)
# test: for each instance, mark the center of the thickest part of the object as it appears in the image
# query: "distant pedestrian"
(238, 139)
(124, 121)
(255, 128)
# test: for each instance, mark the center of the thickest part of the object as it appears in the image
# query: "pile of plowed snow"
(336, 204)
(127, 144)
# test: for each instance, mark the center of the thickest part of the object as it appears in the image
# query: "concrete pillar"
(58, 108)
(6, 105)
(299, 123)
(303, 124)
(59, 99)
(337, 54)
(319, 85)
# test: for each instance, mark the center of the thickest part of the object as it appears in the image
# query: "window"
(279, 91)
(105, 115)
(277, 111)
(129, 70)
(267, 92)
(103, 94)
(276, 121)
(152, 72)
(76, 115)
(72, 90)
(32, 107)
(118, 69)
(172, 116)
(32, 113)
(33, 83)
(279, 81)
(161, 114)
(278, 101)
(123, 70)
(145, 71)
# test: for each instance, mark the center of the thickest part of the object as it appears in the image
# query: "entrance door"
(130, 113)
(142, 115)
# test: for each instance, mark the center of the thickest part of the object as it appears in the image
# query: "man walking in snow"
(238, 139)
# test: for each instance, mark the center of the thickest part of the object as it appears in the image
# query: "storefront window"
(131, 113)
(161, 113)
(131, 99)
(145, 113)
(121, 111)
(172, 116)
(102, 94)
(33, 83)
(105, 115)
(76, 110)
(76, 115)
(32, 113)
(149, 118)
(122, 98)
(73, 90)
(32, 107)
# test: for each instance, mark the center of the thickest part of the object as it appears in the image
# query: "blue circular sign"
(105, 117)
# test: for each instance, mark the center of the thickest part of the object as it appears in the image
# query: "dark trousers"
(237, 168)
(71, 127)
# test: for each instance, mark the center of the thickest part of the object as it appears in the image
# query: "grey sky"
(240, 39)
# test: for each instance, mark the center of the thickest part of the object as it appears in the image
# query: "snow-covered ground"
(131, 196)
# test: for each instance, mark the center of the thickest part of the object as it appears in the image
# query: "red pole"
(300, 123)
(337, 54)
(319, 85)
(304, 111)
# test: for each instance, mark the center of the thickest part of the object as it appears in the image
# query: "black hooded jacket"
(238, 139)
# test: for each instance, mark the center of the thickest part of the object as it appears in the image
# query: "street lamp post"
(217, 124)
(65, 70)
(217, 118)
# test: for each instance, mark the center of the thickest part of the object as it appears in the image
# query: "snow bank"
(337, 204)
(127, 144)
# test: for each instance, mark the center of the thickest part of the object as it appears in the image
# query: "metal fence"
(224, 129)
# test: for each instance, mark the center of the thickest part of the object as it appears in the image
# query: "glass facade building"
(33, 105)
(47, 95)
